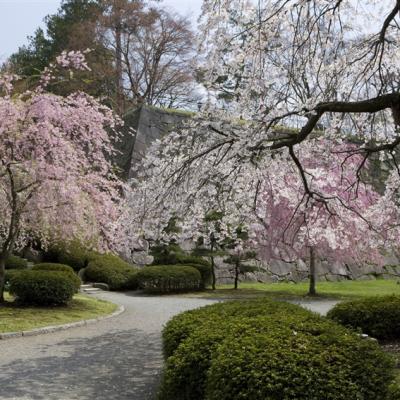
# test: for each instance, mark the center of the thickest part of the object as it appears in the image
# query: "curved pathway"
(115, 359)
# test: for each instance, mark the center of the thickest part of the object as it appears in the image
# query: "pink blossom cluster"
(73, 60)
(56, 178)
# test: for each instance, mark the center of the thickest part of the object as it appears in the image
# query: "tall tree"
(293, 70)
(73, 27)
(139, 54)
(340, 222)
(154, 53)
(55, 176)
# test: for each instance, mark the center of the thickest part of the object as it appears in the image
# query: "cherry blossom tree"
(282, 70)
(56, 179)
(280, 74)
(340, 219)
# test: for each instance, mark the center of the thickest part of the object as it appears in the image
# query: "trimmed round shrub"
(9, 274)
(378, 317)
(60, 268)
(168, 278)
(203, 266)
(172, 254)
(269, 350)
(42, 287)
(183, 325)
(15, 262)
(280, 364)
(112, 270)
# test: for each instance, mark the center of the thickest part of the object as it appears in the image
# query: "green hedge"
(172, 254)
(73, 254)
(269, 350)
(60, 268)
(9, 274)
(112, 270)
(378, 317)
(169, 278)
(15, 262)
(41, 287)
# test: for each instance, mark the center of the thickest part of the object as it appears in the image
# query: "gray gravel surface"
(115, 359)
(319, 306)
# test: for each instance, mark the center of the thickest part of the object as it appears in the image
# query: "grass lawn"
(14, 319)
(332, 290)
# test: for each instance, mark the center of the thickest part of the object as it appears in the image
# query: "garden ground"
(115, 359)
(295, 291)
(120, 358)
(14, 318)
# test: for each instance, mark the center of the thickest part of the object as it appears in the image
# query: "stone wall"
(141, 127)
(280, 271)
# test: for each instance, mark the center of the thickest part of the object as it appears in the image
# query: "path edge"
(56, 328)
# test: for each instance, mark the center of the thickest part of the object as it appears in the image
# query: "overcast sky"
(20, 18)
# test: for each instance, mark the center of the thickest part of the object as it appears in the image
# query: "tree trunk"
(2, 277)
(118, 61)
(213, 281)
(237, 269)
(313, 274)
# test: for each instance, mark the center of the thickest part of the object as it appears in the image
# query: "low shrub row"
(169, 278)
(41, 287)
(15, 262)
(260, 349)
(172, 254)
(112, 270)
(66, 269)
(378, 317)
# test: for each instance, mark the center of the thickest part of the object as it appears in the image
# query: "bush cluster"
(169, 278)
(378, 317)
(41, 287)
(9, 274)
(172, 254)
(112, 270)
(260, 349)
(73, 254)
(15, 262)
(66, 269)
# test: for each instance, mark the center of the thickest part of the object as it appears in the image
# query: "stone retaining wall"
(280, 271)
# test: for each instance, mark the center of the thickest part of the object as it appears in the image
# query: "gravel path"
(115, 359)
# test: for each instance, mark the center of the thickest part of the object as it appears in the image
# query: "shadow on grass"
(124, 365)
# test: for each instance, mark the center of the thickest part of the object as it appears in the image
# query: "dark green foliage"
(41, 287)
(172, 254)
(166, 253)
(9, 274)
(394, 391)
(71, 28)
(112, 270)
(205, 272)
(322, 361)
(378, 317)
(60, 268)
(169, 278)
(260, 349)
(73, 254)
(15, 262)
(183, 325)
(52, 267)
